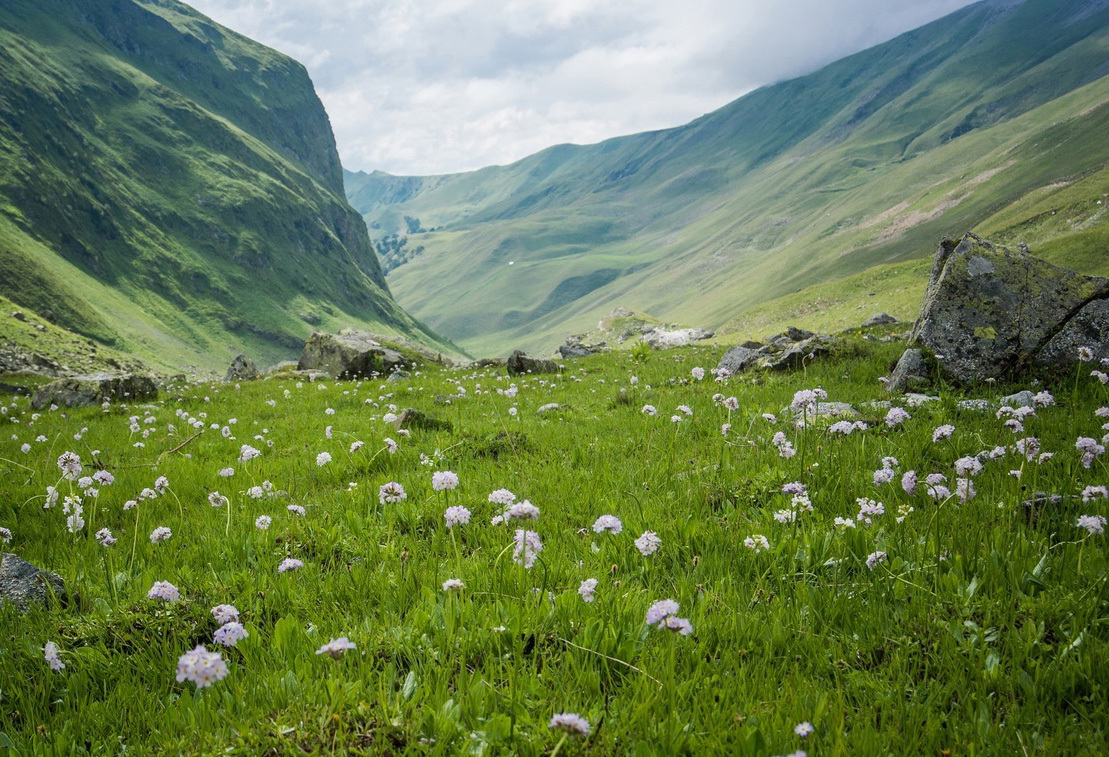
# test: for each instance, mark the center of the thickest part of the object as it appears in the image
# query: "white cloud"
(436, 86)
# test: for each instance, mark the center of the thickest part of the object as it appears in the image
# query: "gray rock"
(911, 372)
(576, 347)
(878, 405)
(799, 354)
(23, 584)
(519, 364)
(1037, 503)
(661, 339)
(95, 388)
(751, 344)
(738, 359)
(242, 368)
(879, 319)
(975, 405)
(280, 367)
(1020, 399)
(916, 400)
(349, 355)
(988, 311)
(795, 334)
(548, 408)
(411, 418)
(825, 411)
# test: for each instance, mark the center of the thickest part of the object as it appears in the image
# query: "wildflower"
(869, 509)
(964, 489)
(73, 508)
(756, 542)
(296, 509)
(1100, 376)
(943, 432)
(675, 419)
(522, 511)
(588, 586)
(678, 625)
(806, 400)
(770, 417)
(164, 590)
(391, 493)
(785, 448)
(909, 482)
(227, 472)
(804, 730)
(1085, 354)
(731, 403)
(527, 548)
(103, 477)
(1043, 399)
(785, 516)
(323, 458)
(389, 418)
(903, 512)
(841, 427)
(50, 654)
(246, 452)
(453, 584)
(934, 479)
(649, 410)
(1090, 450)
(443, 480)
(130, 504)
(725, 429)
(843, 523)
(968, 466)
(648, 543)
(161, 484)
(104, 536)
(51, 498)
(571, 723)
(215, 499)
(390, 445)
(225, 614)
(25, 448)
(230, 633)
(874, 558)
(336, 647)
(1091, 493)
(502, 497)
(256, 492)
(608, 523)
(70, 465)
(161, 533)
(262, 522)
(660, 611)
(685, 409)
(1029, 447)
(883, 476)
(896, 415)
(698, 373)
(201, 667)
(289, 563)
(1095, 524)
(456, 515)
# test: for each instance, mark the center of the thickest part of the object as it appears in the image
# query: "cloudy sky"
(438, 86)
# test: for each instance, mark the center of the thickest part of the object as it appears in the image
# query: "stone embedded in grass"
(23, 584)
(520, 364)
(94, 389)
(242, 368)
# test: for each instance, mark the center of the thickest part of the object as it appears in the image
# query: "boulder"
(281, 367)
(412, 418)
(397, 376)
(349, 355)
(95, 388)
(911, 372)
(575, 346)
(661, 339)
(1020, 399)
(824, 411)
(989, 311)
(23, 584)
(738, 359)
(519, 364)
(242, 368)
(781, 353)
(879, 319)
(796, 355)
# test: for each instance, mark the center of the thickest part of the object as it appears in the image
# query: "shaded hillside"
(866, 161)
(171, 188)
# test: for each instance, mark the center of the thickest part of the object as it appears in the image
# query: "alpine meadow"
(780, 433)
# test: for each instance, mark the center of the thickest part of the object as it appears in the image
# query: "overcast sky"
(438, 86)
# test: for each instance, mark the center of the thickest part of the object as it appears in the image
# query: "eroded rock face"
(519, 364)
(23, 584)
(95, 388)
(349, 355)
(989, 311)
(911, 372)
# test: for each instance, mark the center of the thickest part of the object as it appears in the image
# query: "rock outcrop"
(661, 339)
(349, 355)
(989, 311)
(879, 319)
(242, 368)
(576, 346)
(790, 349)
(519, 364)
(95, 388)
(23, 584)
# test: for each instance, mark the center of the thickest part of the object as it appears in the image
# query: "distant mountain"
(172, 189)
(993, 118)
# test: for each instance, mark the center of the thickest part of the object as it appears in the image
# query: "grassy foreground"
(941, 627)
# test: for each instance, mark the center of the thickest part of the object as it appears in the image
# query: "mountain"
(991, 118)
(172, 189)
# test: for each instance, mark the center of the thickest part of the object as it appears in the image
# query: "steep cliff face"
(172, 188)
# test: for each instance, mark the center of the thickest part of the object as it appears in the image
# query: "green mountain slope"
(867, 161)
(172, 189)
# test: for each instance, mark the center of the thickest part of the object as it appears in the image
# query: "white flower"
(648, 543)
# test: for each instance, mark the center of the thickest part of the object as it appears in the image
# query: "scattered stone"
(989, 312)
(780, 353)
(284, 365)
(879, 319)
(78, 391)
(975, 405)
(739, 359)
(911, 372)
(411, 418)
(397, 376)
(19, 316)
(1034, 506)
(23, 584)
(916, 400)
(798, 335)
(751, 344)
(349, 355)
(242, 368)
(548, 408)
(13, 389)
(661, 339)
(1020, 399)
(519, 364)
(796, 355)
(824, 411)
(575, 346)
(441, 399)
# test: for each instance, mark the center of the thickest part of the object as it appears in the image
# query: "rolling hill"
(172, 189)
(807, 200)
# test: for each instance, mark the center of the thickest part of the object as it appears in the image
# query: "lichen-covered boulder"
(349, 355)
(519, 364)
(95, 388)
(23, 584)
(242, 368)
(989, 311)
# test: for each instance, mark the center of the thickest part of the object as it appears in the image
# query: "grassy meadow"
(941, 626)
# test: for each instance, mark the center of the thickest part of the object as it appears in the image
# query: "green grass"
(982, 633)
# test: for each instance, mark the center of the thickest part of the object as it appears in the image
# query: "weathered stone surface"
(411, 418)
(798, 335)
(95, 388)
(1034, 506)
(879, 319)
(910, 373)
(916, 400)
(519, 363)
(738, 359)
(1088, 328)
(550, 407)
(349, 355)
(284, 365)
(661, 339)
(242, 368)
(989, 311)
(825, 411)
(397, 376)
(24, 584)
(797, 355)
(575, 346)
(779, 354)
(1020, 399)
